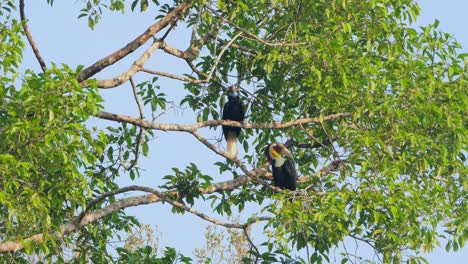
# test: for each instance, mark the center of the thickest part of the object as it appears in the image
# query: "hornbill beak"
(233, 88)
(285, 151)
(277, 149)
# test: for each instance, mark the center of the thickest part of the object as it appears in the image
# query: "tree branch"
(30, 38)
(253, 36)
(86, 218)
(135, 44)
(238, 47)
(172, 76)
(142, 130)
(211, 123)
(155, 196)
(252, 245)
(252, 177)
(137, 65)
(215, 66)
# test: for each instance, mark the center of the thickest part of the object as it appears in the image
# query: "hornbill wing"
(291, 175)
(233, 110)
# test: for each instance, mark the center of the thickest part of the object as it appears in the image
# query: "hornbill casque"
(233, 110)
(284, 173)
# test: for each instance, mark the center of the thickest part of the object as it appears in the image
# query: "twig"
(173, 24)
(319, 142)
(246, 234)
(236, 46)
(239, 163)
(172, 76)
(221, 54)
(142, 130)
(30, 38)
(255, 37)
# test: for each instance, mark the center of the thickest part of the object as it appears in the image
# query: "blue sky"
(64, 39)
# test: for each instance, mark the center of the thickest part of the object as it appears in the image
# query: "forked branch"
(134, 44)
(89, 218)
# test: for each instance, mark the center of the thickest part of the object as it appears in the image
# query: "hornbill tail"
(231, 139)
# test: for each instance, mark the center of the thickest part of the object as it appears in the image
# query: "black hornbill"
(284, 173)
(233, 110)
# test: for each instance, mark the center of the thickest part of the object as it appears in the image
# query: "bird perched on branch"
(233, 110)
(284, 173)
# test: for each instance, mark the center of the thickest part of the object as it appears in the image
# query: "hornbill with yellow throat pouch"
(233, 110)
(284, 173)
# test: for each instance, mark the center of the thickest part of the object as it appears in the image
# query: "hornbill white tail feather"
(231, 139)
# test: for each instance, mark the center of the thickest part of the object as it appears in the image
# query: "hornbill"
(284, 174)
(233, 110)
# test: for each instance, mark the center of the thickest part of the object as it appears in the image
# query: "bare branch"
(175, 52)
(212, 123)
(135, 96)
(246, 234)
(173, 25)
(13, 246)
(163, 197)
(134, 44)
(85, 219)
(142, 130)
(137, 65)
(172, 76)
(30, 38)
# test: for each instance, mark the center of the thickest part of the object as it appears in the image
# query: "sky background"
(62, 38)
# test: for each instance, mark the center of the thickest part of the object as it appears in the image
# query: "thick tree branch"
(211, 123)
(30, 38)
(155, 196)
(86, 218)
(135, 44)
(13, 246)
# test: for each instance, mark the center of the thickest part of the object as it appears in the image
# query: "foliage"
(400, 187)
